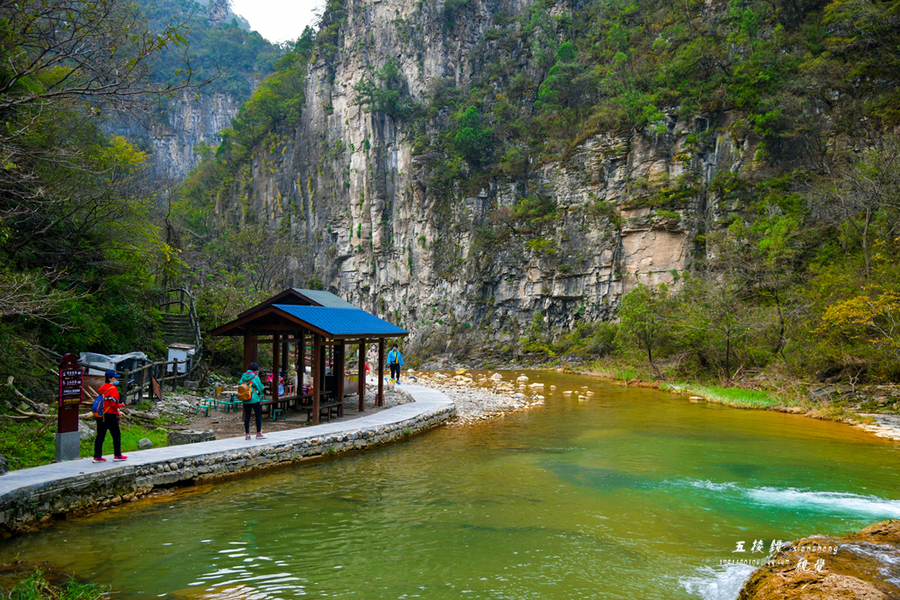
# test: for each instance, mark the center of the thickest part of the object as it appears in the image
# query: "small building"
(184, 354)
(327, 324)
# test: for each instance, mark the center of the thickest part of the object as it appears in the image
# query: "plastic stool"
(275, 414)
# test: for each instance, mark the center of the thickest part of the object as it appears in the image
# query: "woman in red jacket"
(110, 420)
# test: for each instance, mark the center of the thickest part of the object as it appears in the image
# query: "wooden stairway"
(177, 328)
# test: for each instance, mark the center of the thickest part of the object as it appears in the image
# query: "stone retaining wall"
(32, 505)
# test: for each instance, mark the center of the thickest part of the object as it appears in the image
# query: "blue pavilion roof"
(341, 321)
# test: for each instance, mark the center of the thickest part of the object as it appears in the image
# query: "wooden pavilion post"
(362, 375)
(338, 369)
(318, 376)
(379, 400)
(285, 352)
(301, 360)
(250, 353)
(276, 366)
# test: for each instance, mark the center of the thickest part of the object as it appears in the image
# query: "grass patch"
(626, 374)
(131, 435)
(731, 396)
(27, 443)
(36, 587)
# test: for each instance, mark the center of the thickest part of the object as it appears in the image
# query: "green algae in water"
(631, 494)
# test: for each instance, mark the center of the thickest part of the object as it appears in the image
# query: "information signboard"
(70, 376)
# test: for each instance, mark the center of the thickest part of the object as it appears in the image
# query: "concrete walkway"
(146, 469)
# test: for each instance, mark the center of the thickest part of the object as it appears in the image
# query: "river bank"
(873, 408)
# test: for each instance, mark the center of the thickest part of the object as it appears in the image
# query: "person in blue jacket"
(395, 361)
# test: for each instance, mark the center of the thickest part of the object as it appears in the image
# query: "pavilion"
(297, 315)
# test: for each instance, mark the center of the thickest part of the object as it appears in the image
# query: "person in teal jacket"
(395, 360)
(254, 403)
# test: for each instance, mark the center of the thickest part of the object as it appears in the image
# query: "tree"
(473, 140)
(72, 201)
(385, 92)
(66, 63)
(714, 305)
(644, 316)
(867, 192)
(873, 317)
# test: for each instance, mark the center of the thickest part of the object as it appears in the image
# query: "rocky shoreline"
(480, 397)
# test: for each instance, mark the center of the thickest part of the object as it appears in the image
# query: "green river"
(632, 494)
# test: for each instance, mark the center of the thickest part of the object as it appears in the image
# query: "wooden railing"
(160, 372)
(182, 299)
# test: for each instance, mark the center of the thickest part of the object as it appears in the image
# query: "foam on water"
(722, 582)
(826, 501)
(795, 498)
(706, 484)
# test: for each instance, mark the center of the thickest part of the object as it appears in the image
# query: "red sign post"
(70, 380)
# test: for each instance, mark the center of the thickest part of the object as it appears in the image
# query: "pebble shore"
(479, 397)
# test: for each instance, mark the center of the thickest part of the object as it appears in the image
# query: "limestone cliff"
(192, 119)
(354, 186)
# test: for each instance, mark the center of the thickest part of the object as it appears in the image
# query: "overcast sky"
(278, 20)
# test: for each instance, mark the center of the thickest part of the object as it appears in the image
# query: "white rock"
(85, 430)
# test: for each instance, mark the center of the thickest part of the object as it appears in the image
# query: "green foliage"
(80, 254)
(452, 10)
(645, 317)
(328, 36)
(472, 140)
(28, 444)
(589, 340)
(536, 213)
(276, 102)
(385, 92)
(227, 56)
(733, 396)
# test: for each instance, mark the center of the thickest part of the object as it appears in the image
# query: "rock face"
(191, 120)
(355, 192)
(863, 566)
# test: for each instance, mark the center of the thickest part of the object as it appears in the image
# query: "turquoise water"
(631, 494)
